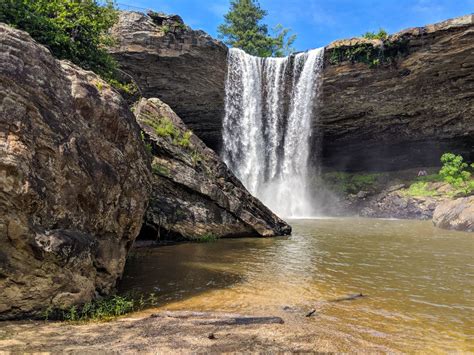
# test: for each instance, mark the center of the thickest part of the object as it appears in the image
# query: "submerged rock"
(195, 195)
(457, 214)
(74, 180)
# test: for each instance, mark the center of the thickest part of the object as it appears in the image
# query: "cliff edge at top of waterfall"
(195, 196)
(450, 24)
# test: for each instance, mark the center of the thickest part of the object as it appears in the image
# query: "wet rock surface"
(74, 180)
(397, 205)
(457, 214)
(195, 195)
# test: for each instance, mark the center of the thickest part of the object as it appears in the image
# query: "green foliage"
(430, 178)
(242, 28)
(148, 146)
(166, 29)
(163, 127)
(129, 88)
(159, 169)
(350, 183)
(184, 140)
(420, 188)
(74, 30)
(103, 309)
(455, 172)
(368, 53)
(381, 34)
(206, 238)
(196, 158)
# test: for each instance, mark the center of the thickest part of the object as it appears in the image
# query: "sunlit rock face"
(457, 214)
(184, 68)
(74, 181)
(194, 194)
(405, 112)
(395, 115)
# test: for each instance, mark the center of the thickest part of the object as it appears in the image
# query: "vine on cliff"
(368, 53)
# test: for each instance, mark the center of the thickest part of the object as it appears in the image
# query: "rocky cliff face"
(404, 108)
(74, 180)
(184, 68)
(392, 112)
(194, 194)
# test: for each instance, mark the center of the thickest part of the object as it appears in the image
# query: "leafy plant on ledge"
(368, 53)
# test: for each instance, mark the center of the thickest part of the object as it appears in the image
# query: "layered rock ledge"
(405, 111)
(194, 194)
(74, 180)
(184, 68)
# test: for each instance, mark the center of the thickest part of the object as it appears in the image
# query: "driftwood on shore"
(202, 318)
(246, 321)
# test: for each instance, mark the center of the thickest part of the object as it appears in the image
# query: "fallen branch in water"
(349, 298)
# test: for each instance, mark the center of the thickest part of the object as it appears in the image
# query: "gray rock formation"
(184, 68)
(194, 193)
(403, 112)
(457, 214)
(406, 111)
(74, 180)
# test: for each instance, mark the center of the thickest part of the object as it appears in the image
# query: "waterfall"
(267, 126)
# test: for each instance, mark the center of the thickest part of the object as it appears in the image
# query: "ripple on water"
(418, 280)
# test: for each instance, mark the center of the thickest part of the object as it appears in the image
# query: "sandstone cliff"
(184, 68)
(392, 112)
(407, 106)
(74, 180)
(194, 193)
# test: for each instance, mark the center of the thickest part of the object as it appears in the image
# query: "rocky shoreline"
(181, 331)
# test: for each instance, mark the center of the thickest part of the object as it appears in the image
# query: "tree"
(242, 28)
(455, 172)
(76, 30)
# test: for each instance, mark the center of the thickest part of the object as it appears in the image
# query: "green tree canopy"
(71, 29)
(242, 28)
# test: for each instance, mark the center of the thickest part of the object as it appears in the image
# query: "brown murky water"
(418, 280)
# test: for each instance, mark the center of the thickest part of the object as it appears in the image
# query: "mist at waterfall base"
(271, 104)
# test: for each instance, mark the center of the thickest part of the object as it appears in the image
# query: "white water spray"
(267, 126)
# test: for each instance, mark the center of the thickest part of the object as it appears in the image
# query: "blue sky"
(318, 22)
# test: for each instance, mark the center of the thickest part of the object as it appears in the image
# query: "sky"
(317, 22)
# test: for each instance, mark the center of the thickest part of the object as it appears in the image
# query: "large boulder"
(194, 193)
(184, 68)
(74, 180)
(457, 214)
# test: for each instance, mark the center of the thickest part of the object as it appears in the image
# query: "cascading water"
(267, 126)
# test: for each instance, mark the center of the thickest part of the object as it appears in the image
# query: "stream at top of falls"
(269, 112)
(417, 281)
